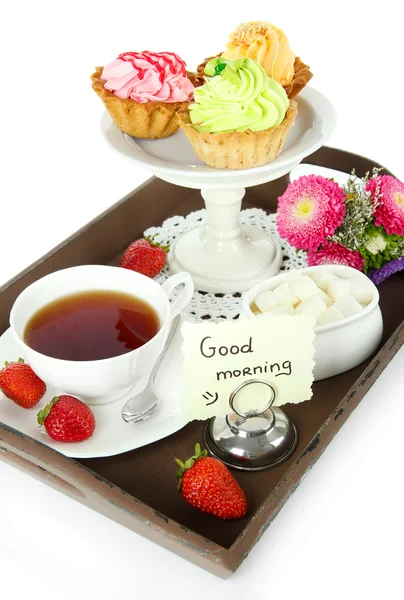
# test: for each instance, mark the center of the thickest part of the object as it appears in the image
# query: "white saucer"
(112, 435)
(174, 160)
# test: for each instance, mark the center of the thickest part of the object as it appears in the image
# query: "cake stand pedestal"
(223, 256)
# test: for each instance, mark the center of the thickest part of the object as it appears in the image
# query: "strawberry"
(207, 484)
(145, 256)
(67, 419)
(19, 383)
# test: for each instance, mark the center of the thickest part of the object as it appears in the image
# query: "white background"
(340, 535)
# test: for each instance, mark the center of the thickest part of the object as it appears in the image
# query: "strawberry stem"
(20, 360)
(43, 414)
(189, 463)
(150, 239)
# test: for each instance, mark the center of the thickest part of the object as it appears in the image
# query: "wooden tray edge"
(73, 479)
(80, 483)
(306, 460)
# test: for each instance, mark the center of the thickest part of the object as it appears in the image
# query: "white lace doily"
(217, 307)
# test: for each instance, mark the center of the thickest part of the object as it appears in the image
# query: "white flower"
(376, 244)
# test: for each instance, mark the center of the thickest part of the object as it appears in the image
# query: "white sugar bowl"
(349, 324)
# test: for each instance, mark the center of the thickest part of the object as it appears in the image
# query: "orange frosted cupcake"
(142, 92)
(268, 46)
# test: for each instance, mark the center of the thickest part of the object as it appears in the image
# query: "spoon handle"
(132, 412)
(172, 329)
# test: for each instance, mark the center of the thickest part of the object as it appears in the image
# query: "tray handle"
(40, 470)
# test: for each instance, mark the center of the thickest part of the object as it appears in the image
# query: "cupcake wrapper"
(301, 76)
(148, 120)
(198, 78)
(238, 150)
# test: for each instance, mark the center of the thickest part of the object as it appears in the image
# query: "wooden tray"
(138, 488)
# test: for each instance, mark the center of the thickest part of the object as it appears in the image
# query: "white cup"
(98, 381)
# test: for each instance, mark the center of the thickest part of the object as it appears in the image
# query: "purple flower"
(387, 270)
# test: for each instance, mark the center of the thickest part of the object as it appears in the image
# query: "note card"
(219, 357)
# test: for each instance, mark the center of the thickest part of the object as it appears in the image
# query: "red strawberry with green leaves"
(207, 484)
(19, 383)
(67, 419)
(145, 256)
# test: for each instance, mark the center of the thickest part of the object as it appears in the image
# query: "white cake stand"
(223, 256)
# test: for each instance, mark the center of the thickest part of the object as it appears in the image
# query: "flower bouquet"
(361, 225)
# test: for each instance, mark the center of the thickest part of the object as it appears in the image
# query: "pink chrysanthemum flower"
(389, 212)
(309, 211)
(332, 253)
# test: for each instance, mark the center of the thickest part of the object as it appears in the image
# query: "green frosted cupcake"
(240, 118)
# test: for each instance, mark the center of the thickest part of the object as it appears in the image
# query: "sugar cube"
(267, 301)
(287, 309)
(285, 294)
(361, 290)
(347, 305)
(314, 307)
(291, 275)
(324, 297)
(329, 315)
(304, 288)
(337, 288)
(321, 277)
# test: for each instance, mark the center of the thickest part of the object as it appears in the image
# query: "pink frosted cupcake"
(142, 92)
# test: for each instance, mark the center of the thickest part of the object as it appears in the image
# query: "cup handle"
(184, 297)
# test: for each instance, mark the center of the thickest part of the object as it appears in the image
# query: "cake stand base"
(228, 267)
(223, 256)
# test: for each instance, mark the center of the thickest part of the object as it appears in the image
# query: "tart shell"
(238, 150)
(149, 120)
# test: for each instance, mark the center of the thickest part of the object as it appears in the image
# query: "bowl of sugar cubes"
(343, 302)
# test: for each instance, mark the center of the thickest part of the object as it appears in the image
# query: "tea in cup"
(93, 331)
(92, 326)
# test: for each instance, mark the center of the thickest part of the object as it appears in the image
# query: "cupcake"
(240, 117)
(142, 91)
(268, 45)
